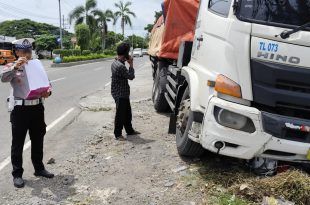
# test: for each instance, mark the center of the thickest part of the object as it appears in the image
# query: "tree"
(82, 32)
(26, 28)
(83, 14)
(46, 43)
(157, 15)
(102, 18)
(124, 14)
(113, 39)
(136, 41)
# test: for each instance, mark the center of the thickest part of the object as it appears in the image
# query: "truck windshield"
(281, 13)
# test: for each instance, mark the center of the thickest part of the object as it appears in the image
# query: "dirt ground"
(93, 169)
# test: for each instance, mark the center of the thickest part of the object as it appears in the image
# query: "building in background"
(6, 42)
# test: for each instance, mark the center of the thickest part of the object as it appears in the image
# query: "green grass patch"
(68, 59)
(228, 199)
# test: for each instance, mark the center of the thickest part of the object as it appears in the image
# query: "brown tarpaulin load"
(180, 22)
(156, 37)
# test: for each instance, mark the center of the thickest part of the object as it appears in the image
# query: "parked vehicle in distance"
(137, 52)
(6, 56)
(145, 52)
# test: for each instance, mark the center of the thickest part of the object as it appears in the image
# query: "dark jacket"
(120, 76)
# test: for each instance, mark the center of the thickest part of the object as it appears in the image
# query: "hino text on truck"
(236, 76)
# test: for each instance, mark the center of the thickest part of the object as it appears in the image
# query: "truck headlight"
(233, 120)
(227, 86)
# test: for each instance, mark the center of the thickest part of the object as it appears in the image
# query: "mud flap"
(172, 124)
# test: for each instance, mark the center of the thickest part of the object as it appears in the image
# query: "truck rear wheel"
(159, 88)
(185, 146)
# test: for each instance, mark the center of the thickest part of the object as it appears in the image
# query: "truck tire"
(185, 146)
(159, 89)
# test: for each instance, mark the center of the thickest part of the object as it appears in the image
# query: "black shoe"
(18, 182)
(120, 138)
(44, 173)
(134, 133)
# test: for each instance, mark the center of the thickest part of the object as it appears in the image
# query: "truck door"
(211, 22)
(208, 55)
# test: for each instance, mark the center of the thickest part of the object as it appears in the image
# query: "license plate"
(308, 155)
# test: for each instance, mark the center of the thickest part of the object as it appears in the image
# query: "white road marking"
(59, 79)
(106, 85)
(97, 69)
(28, 144)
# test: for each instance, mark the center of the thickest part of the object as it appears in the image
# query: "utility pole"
(60, 29)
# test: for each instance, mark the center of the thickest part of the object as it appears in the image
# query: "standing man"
(27, 115)
(121, 91)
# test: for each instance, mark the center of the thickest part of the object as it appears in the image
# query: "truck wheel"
(185, 146)
(159, 89)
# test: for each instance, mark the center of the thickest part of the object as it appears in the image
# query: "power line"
(24, 12)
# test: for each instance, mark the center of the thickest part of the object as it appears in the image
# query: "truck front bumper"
(245, 145)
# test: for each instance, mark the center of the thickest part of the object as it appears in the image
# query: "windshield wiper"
(287, 34)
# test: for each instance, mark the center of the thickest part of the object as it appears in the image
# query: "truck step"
(174, 70)
(169, 101)
(170, 91)
(172, 82)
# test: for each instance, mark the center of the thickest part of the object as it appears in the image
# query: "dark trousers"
(123, 117)
(24, 119)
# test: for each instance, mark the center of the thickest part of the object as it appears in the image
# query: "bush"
(67, 52)
(69, 59)
(109, 52)
(86, 52)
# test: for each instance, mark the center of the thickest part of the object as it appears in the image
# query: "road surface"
(70, 84)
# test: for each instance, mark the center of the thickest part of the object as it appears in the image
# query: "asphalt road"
(70, 84)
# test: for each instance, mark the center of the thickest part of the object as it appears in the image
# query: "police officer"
(27, 115)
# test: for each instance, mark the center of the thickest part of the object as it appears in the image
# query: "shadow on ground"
(57, 189)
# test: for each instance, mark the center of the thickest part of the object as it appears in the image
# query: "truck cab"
(242, 87)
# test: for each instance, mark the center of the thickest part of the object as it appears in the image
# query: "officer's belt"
(28, 102)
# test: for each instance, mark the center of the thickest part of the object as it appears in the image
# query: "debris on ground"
(274, 201)
(51, 161)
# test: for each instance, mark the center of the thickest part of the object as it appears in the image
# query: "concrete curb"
(54, 65)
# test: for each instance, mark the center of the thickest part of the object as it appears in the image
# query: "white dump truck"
(241, 87)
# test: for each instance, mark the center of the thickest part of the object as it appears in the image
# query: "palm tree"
(83, 13)
(102, 18)
(124, 13)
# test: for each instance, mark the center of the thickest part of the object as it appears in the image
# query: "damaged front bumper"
(247, 144)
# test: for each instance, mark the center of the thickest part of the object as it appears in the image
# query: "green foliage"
(137, 41)
(26, 28)
(82, 32)
(46, 42)
(149, 27)
(124, 13)
(110, 52)
(66, 42)
(86, 52)
(112, 39)
(68, 59)
(227, 199)
(67, 52)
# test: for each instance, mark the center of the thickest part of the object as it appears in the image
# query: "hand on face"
(20, 62)
(130, 61)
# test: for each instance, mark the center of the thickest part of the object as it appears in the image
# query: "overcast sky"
(47, 11)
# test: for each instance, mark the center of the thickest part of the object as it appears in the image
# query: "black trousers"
(24, 119)
(123, 117)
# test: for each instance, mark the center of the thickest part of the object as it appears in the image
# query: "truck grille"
(281, 89)
(276, 126)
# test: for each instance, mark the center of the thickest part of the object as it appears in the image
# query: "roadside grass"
(227, 181)
(227, 199)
